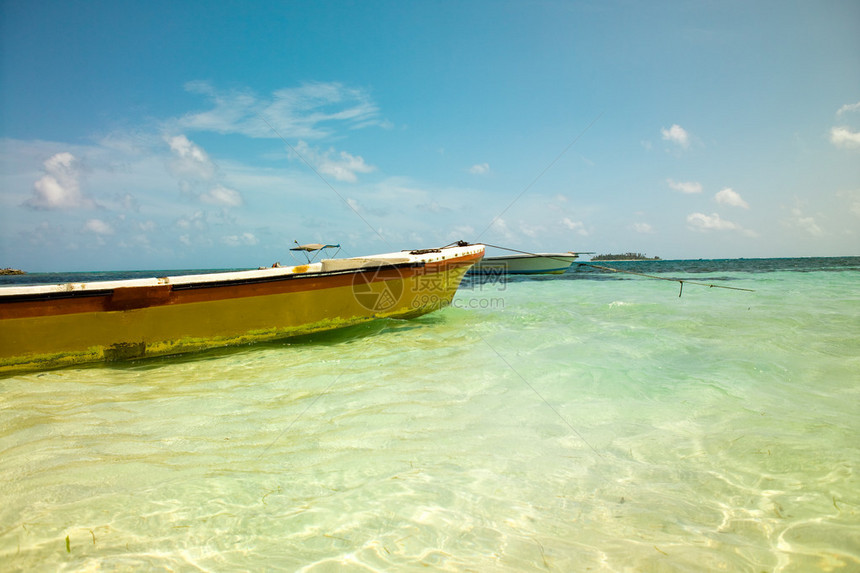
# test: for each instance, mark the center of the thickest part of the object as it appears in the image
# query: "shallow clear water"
(573, 423)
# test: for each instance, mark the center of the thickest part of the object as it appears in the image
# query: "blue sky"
(213, 134)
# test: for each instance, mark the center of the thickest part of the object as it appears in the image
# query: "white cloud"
(730, 197)
(461, 232)
(98, 227)
(247, 239)
(685, 186)
(196, 171)
(800, 220)
(185, 149)
(433, 207)
(852, 198)
(530, 231)
(221, 195)
(59, 188)
(712, 222)
(577, 226)
(230, 112)
(342, 166)
(500, 226)
(128, 202)
(480, 169)
(304, 112)
(189, 159)
(676, 134)
(844, 137)
(849, 107)
(353, 204)
(196, 221)
(643, 228)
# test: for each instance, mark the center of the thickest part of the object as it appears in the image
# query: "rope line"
(301, 414)
(682, 281)
(601, 267)
(535, 180)
(539, 395)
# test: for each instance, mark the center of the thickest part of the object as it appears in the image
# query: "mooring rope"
(601, 267)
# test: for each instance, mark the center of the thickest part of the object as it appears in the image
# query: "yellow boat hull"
(129, 322)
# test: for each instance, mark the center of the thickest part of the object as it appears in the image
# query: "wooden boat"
(526, 264)
(56, 325)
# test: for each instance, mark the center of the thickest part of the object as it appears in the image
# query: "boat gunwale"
(33, 293)
(198, 285)
(572, 256)
(542, 271)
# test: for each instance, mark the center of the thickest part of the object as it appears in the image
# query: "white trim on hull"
(526, 264)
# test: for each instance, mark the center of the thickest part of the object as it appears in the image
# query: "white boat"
(526, 264)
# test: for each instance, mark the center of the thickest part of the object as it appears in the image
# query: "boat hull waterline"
(526, 264)
(57, 325)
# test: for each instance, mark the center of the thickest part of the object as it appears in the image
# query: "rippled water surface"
(586, 422)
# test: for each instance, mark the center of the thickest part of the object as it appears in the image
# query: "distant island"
(625, 257)
(9, 271)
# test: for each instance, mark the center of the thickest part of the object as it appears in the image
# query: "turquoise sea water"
(585, 422)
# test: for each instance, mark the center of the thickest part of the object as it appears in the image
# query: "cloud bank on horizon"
(235, 170)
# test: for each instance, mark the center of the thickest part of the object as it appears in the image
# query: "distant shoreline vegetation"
(10, 271)
(625, 257)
